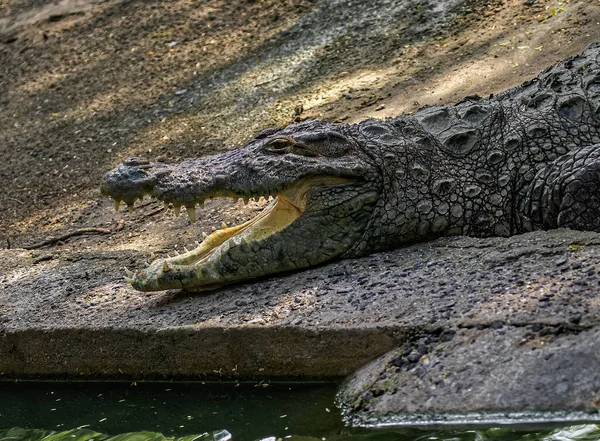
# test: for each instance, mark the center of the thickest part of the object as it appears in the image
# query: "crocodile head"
(324, 188)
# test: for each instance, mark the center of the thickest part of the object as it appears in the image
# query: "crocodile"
(525, 159)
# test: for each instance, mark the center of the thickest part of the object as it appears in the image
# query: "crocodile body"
(525, 159)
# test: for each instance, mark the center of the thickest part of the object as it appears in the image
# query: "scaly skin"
(525, 159)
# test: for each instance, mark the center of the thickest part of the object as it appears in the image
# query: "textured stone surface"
(498, 371)
(66, 314)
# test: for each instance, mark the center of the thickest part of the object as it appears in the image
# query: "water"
(247, 411)
(212, 412)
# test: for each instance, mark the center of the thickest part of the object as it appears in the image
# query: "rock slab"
(460, 324)
(485, 375)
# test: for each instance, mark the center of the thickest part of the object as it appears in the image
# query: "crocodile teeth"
(128, 272)
(191, 212)
(130, 208)
(117, 204)
(223, 225)
(246, 200)
(177, 210)
(204, 235)
(213, 229)
(201, 205)
(197, 243)
(129, 280)
(166, 267)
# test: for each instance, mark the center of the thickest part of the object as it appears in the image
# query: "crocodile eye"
(279, 145)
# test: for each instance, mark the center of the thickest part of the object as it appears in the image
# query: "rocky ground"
(85, 84)
(468, 325)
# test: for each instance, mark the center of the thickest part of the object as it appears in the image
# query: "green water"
(211, 412)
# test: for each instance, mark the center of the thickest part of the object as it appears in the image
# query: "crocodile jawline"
(287, 206)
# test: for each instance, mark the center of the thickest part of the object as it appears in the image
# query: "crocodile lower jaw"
(276, 216)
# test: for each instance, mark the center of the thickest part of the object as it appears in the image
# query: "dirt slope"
(84, 84)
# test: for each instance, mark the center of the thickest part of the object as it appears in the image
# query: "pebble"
(43, 257)
(414, 357)
(560, 260)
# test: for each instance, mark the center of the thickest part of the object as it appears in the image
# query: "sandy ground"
(85, 84)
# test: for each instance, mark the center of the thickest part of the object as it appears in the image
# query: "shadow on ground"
(87, 88)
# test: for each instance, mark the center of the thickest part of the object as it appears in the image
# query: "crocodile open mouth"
(203, 261)
(276, 216)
